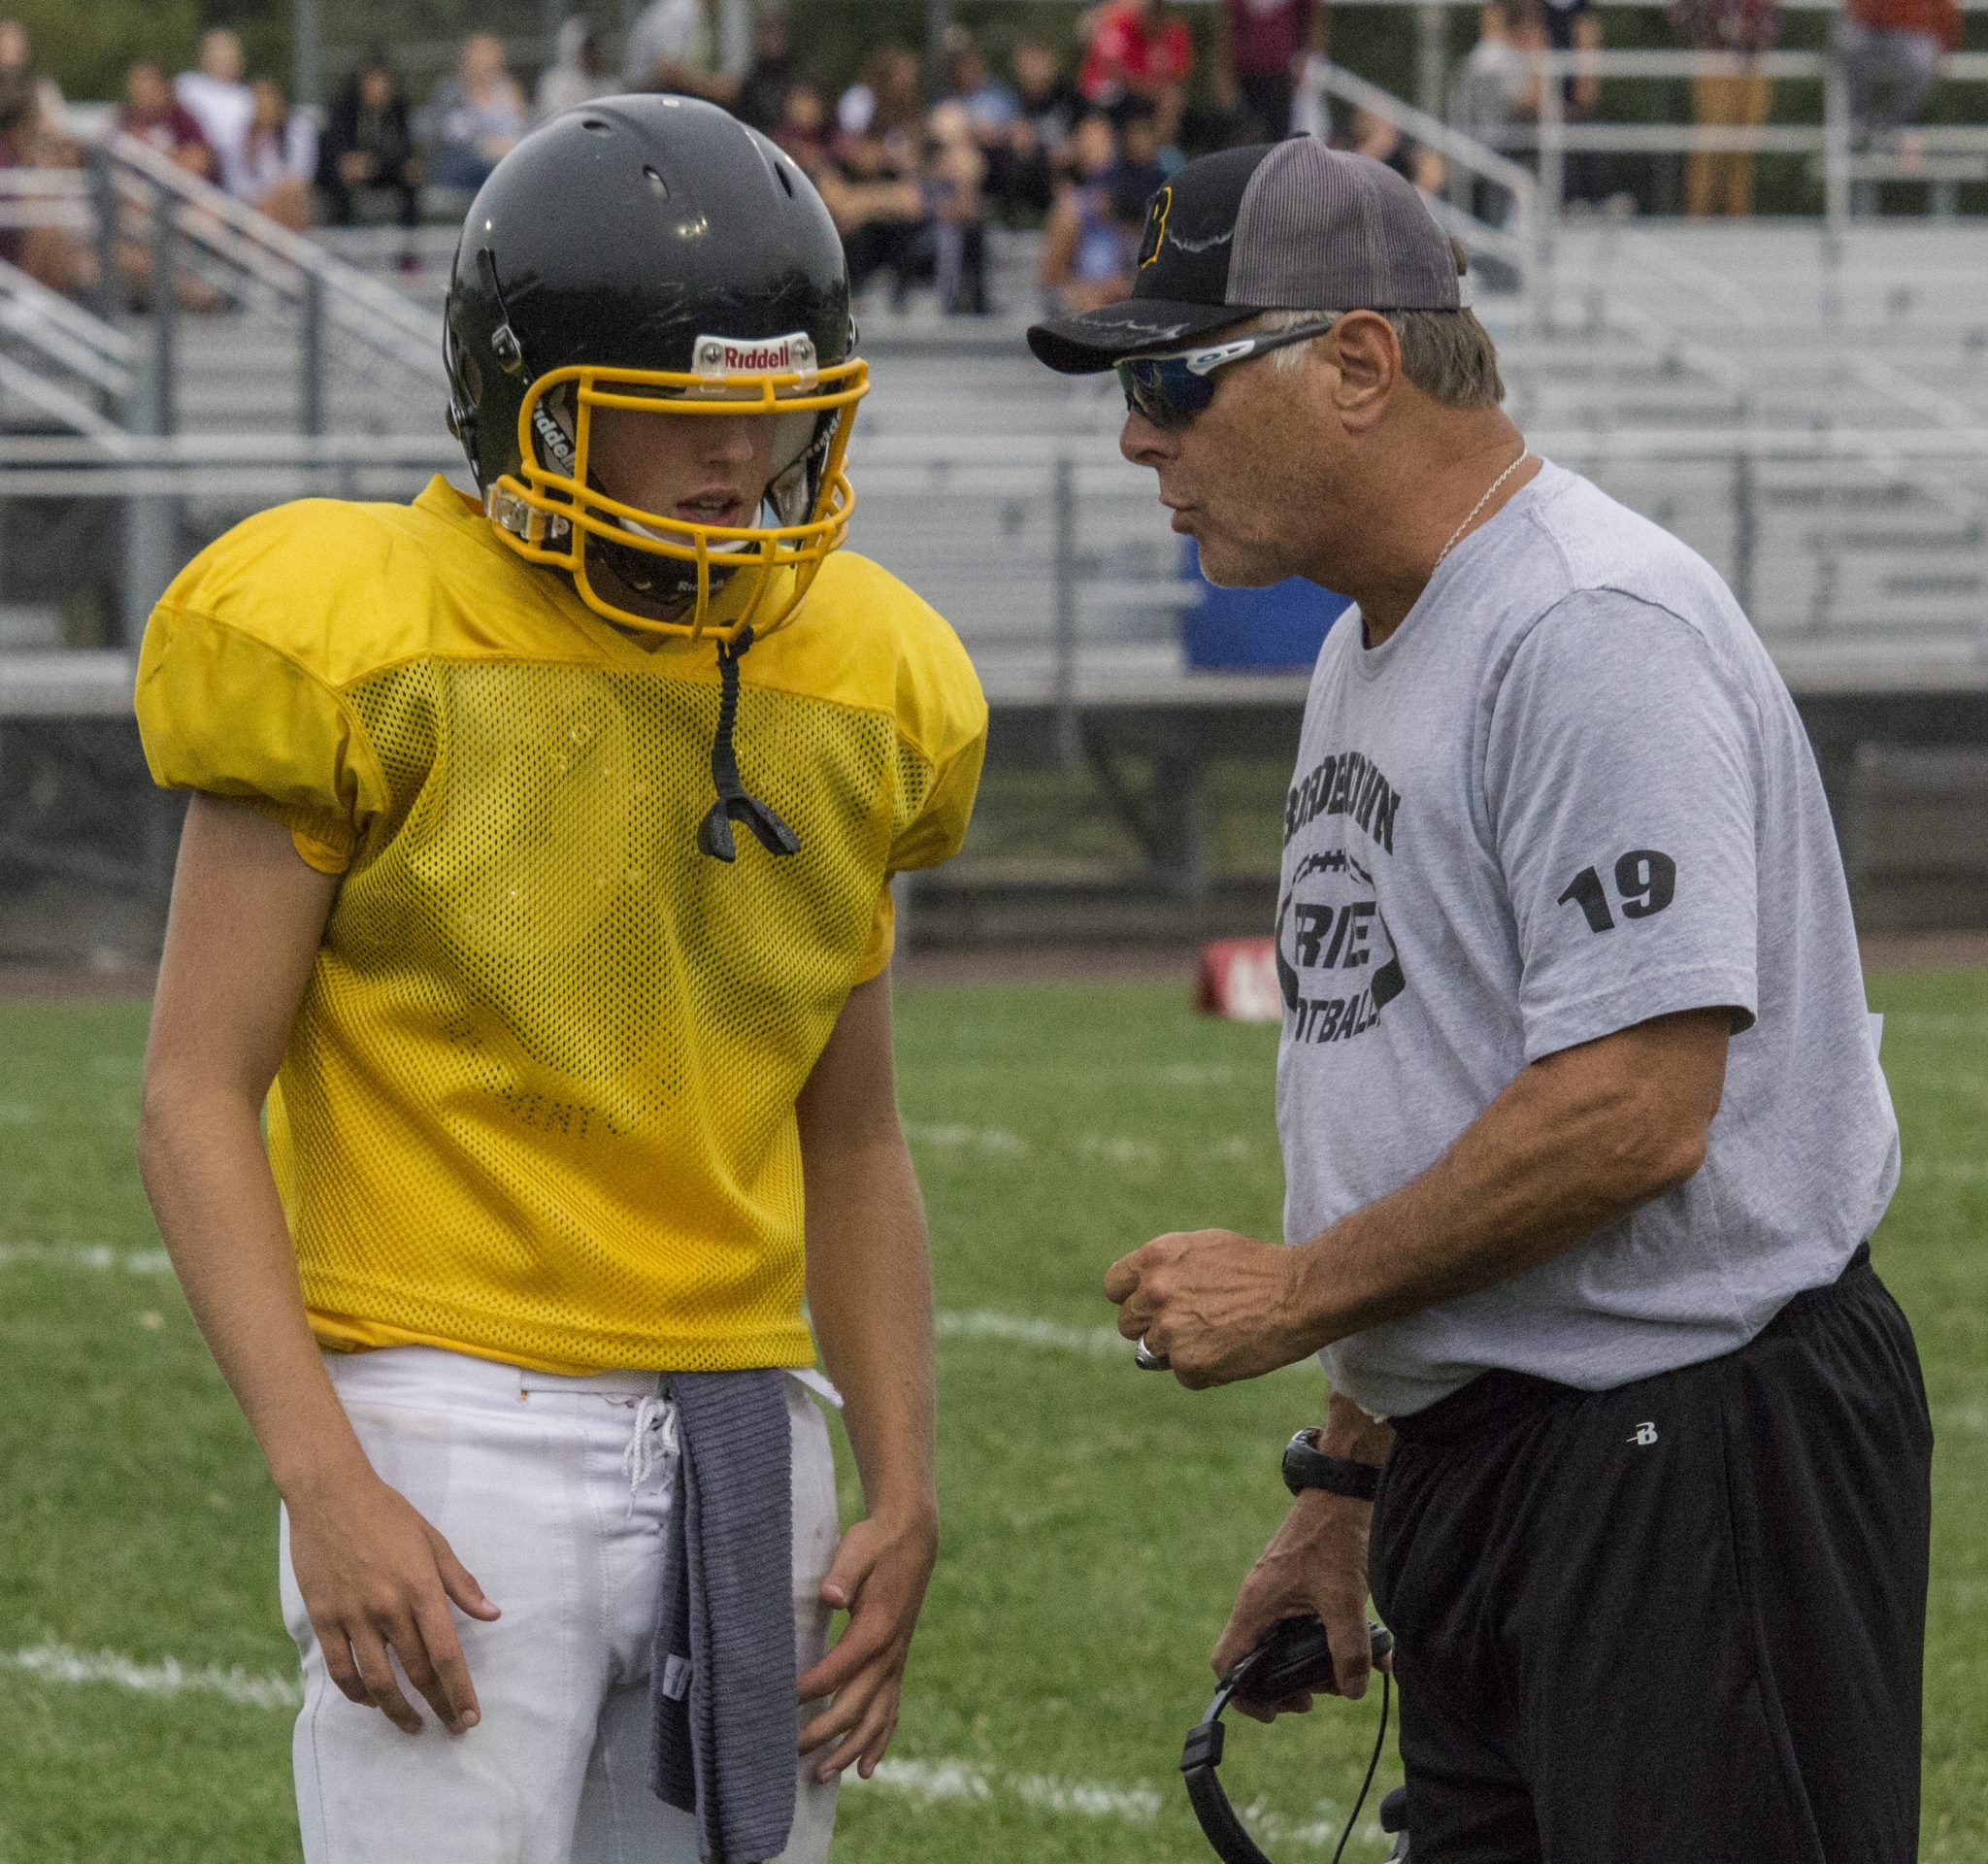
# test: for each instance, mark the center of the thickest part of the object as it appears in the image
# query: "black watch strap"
(1307, 1466)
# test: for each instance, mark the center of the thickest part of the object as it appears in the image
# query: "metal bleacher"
(1806, 403)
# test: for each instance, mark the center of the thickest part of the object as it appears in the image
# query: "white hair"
(1448, 354)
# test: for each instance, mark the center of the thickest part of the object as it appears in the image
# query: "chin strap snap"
(734, 805)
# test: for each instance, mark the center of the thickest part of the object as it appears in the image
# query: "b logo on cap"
(1156, 213)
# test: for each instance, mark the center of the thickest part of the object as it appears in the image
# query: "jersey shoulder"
(342, 588)
(881, 644)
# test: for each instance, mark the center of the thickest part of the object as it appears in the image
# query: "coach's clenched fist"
(1217, 1306)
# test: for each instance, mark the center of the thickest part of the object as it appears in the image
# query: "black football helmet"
(655, 255)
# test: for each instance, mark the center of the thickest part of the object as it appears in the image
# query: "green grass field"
(1096, 1519)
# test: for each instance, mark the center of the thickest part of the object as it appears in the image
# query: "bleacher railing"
(1830, 142)
(1511, 242)
(1526, 235)
(1085, 624)
(131, 199)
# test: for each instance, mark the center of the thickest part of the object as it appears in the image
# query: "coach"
(1581, 1114)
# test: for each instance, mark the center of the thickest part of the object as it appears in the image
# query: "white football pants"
(555, 1493)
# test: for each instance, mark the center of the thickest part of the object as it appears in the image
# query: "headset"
(1292, 1659)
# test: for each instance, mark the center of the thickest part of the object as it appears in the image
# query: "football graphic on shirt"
(1338, 930)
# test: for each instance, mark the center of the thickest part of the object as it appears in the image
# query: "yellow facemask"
(734, 576)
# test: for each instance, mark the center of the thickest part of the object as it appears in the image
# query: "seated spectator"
(1720, 180)
(577, 73)
(878, 206)
(990, 109)
(1139, 49)
(1369, 133)
(1576, 25)
(278, 158)
(29, 137)
(888, 104)
(153, 114)
(1260, 51)
(1143, 167)
(1499, 86)
(368, 146)
(1891, 51)
(990, 106)
(220, 103)
(762, 99)
(50, 132)
(1047, 106)
(803, 129)
(1044, 97)
(671, 47)
(1091, 242)
(955, 170)
(480, 114)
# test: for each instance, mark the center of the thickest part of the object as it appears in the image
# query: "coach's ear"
(1369, 359)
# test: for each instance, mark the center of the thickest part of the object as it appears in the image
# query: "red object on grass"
(1237, 979)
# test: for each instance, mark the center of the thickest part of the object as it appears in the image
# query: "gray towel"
(723, 1678)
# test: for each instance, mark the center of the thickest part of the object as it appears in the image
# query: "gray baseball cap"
(1274, 226)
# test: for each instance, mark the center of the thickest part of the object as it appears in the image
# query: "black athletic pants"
(1679, 1622)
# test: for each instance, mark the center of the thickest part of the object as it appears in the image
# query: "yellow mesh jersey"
(539, 1101)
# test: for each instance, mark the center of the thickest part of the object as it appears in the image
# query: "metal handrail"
(374, 313)
(1515, 247)
(1431, 132)
(1660, 61)
(65, 333)
(54, 401)
(190, 453)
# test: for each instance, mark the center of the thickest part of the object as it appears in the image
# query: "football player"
(536, 882)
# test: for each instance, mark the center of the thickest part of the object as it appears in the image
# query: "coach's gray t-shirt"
(1569, 793)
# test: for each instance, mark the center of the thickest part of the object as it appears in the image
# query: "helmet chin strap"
(734, 804)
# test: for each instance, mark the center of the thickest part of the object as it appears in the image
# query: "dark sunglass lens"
(1141, 394)
(1162, 391)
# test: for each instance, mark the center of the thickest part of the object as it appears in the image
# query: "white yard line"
(99, 1257)
(1939, 1023)
(931, 1782)
(1943, 1171)
(1023, 1330)
(938, 1782)
(169, 1676)
(954, 1781)
(1129, 1151)
(950, 1323)
(1972, 1416)
(991, 1141)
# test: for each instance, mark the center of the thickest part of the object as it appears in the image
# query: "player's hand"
(1218, 1306)
(1315, 1565)
(375, 1578)
(879, 1577)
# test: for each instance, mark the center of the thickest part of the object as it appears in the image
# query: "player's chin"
(1236, 566)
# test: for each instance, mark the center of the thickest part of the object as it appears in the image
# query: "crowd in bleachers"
(1070, 134)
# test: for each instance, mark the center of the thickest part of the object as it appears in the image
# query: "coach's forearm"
(870, 1293)
(1574, 1143)
(201, 1155)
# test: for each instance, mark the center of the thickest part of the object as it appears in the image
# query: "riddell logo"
(788, 356)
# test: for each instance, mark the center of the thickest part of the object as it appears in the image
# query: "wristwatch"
(1307, 1466)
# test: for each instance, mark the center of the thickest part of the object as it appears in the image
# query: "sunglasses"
(1171, 390)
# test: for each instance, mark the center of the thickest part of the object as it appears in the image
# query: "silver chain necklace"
(1490, 492)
